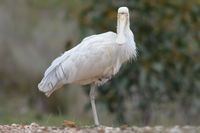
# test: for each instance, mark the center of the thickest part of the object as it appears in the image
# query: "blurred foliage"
(167, 69)
(160, 87)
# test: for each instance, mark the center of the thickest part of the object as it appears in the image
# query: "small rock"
(14, 125)
(34, 124)
(123, 127)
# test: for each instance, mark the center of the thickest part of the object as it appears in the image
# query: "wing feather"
(82, 62)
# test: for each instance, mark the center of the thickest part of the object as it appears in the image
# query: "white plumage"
(94, 61)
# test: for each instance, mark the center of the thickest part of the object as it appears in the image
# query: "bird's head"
(122, 24)
(123, 10)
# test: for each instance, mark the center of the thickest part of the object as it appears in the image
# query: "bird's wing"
(59, 60)
(85, 67)
(85, 61)
(85, 42)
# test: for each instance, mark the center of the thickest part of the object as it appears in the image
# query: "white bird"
(94, 61)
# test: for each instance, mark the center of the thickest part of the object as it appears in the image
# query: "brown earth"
(72, 128)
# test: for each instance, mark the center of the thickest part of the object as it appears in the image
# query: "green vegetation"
(45, 119)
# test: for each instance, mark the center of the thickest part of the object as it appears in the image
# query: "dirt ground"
(72, 128)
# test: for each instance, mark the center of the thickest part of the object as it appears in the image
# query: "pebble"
(36, 128)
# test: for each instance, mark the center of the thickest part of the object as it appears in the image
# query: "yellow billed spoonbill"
(94, 61)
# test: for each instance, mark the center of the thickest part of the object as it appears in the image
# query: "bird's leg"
(92, 100)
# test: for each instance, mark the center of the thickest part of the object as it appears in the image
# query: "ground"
(70, 127)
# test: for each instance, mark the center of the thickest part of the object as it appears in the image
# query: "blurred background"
(161, 87)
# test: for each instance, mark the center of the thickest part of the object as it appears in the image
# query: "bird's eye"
(123, 13)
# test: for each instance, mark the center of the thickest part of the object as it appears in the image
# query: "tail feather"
(52, 81)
